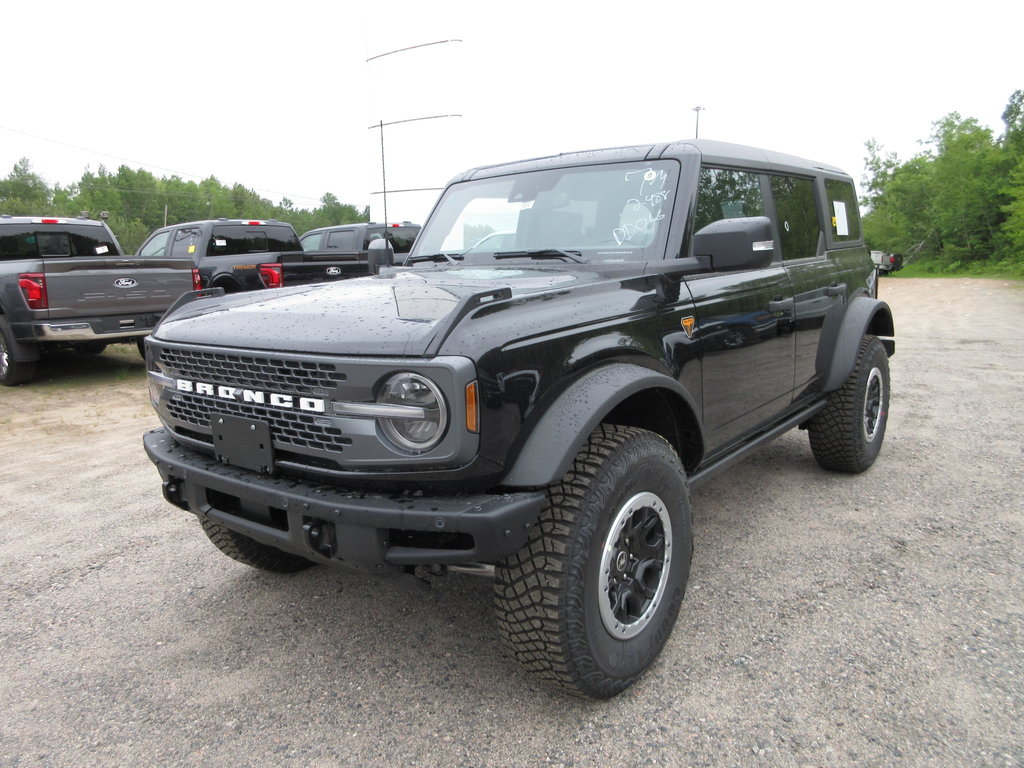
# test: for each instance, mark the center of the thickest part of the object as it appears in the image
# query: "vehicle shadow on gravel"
(117, 363)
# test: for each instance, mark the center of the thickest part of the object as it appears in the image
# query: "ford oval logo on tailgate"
(125, 282)
(334, 270)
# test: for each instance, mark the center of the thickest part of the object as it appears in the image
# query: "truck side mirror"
(735, 244)
(379, 254)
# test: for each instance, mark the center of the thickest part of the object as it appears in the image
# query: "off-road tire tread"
(250, 552)
(835, 432)
(533, 619)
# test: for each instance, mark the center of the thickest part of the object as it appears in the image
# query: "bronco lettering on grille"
(242, 395)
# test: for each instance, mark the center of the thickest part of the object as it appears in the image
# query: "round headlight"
(419, 422)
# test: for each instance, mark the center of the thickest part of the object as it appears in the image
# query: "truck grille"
(282, 374)
(296, 429)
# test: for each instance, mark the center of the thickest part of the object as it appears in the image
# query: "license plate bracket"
(242, 442)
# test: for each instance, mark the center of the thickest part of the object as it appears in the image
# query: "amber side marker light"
(472, 412)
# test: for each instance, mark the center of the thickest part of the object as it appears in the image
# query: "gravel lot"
(831, 620)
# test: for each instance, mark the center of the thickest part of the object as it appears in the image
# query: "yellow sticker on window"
(192, 248)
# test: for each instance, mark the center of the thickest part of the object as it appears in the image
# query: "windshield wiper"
(543, 253)
(450, 258)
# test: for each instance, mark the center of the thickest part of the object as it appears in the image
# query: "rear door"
(87, 275)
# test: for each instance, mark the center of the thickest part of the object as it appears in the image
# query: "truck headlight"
(419, 422)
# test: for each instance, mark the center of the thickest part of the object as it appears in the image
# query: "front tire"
(251, 552)
(591, 599)
(847, 435)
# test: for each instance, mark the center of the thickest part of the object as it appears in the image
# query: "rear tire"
(251, 552)
(590, 600)
(13, 372)
(847, 435)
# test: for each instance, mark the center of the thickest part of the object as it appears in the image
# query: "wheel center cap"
(621, 561)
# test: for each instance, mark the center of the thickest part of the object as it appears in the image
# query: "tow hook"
(320, 536)
(172, 492)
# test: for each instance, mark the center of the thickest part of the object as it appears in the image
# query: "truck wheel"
(590, 600)
(251, 552)
(13, 372)
(847, 435)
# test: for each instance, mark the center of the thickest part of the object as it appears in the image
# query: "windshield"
(600, 213)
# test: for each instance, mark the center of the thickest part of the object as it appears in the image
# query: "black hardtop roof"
(711, 152)
(6, 218)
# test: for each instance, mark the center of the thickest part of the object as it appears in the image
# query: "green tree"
(969, 173)
(24, 192)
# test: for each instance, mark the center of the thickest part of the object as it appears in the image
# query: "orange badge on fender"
(688, 324)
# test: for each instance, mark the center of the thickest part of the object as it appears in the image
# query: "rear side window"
(186, 242)
(843, 209)
(401, 237)
(238, 239)
(726, 194)
(343, 240)
(29, 241)
(797, 215)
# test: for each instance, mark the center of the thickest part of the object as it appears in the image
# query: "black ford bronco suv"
(64, 282)
(537, 412)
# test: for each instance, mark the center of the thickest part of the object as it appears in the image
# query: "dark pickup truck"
(65, 282)
(537, 405)
(247, 254)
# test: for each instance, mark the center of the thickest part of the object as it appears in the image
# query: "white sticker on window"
(101, 249)
(839, 220)
(220, 243)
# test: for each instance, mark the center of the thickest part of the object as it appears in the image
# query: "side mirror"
(379, 254)
(735, 244)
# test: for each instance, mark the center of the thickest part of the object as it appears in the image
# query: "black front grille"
(265, 372)
(293, 428)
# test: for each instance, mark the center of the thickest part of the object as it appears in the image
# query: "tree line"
(138, 202)
(957, 207)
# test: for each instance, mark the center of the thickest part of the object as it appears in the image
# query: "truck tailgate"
(303, 267)
(80, 286)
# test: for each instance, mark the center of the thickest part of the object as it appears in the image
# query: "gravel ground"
(872, 620)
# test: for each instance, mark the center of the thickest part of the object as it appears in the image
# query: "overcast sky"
(280, 96)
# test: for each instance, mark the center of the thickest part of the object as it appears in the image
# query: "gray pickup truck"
(65, 282)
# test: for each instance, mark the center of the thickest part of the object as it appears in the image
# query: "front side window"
(727, 194)
(843, 209)
(603, 213)
(156, 247)
(312, 242)
(797, 216)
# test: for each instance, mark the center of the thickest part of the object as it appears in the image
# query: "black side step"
(707, 472)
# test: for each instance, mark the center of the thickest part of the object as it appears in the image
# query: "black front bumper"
(367, 531)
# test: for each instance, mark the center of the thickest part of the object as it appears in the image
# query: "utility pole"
(380, 124)
(696, 132)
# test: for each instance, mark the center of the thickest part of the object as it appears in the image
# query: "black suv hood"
(398, 313)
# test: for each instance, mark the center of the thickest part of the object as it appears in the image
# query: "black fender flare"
(567, 423)
(864, 315)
